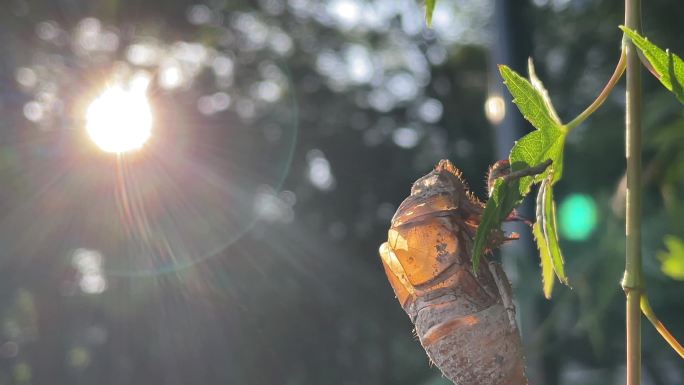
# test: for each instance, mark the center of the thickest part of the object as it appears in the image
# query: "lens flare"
(120, 119)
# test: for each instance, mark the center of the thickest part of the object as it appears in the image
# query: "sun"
(120, 119)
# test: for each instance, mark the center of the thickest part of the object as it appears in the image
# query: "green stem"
(617, 74)
(633, 360)
(632, 282)
(669, 338)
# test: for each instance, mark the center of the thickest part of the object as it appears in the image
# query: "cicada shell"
(465, 321)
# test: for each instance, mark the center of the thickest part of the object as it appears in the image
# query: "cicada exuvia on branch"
(464, 320)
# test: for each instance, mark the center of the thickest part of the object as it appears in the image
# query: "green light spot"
(577, 216)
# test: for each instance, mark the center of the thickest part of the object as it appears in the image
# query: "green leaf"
(551, 230)
(535, 148)
(546, 142)
(546, 235)
(668, 66)
(491, 220)
(429, 9)
(539, 86)
(548, 278)
(532, 102)
(672, 260)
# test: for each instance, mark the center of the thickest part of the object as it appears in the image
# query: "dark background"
(294, 130)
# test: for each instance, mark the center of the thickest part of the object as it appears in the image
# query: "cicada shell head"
(440, 191)
(460, 317)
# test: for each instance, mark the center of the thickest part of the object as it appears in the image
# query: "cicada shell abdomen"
(464, 321)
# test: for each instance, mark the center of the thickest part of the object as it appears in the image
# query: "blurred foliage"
(673, 258)
(314, 117)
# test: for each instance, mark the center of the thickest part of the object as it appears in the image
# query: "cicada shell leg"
(505, 290)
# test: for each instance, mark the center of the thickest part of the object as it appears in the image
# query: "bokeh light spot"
(577, 216)
(406, 137)
(320, 173)
(495, 109)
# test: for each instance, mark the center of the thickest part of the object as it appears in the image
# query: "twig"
(534, 170)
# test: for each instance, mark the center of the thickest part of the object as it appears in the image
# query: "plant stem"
(534, 170)
(632, 282)
(617, 74)
(669, 338)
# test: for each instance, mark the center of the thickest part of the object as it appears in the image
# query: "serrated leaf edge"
(507, 73)
(539, 86)
(647, 47)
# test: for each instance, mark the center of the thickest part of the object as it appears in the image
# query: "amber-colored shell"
(460, 317)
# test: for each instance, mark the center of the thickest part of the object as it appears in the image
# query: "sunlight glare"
(120, 119)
